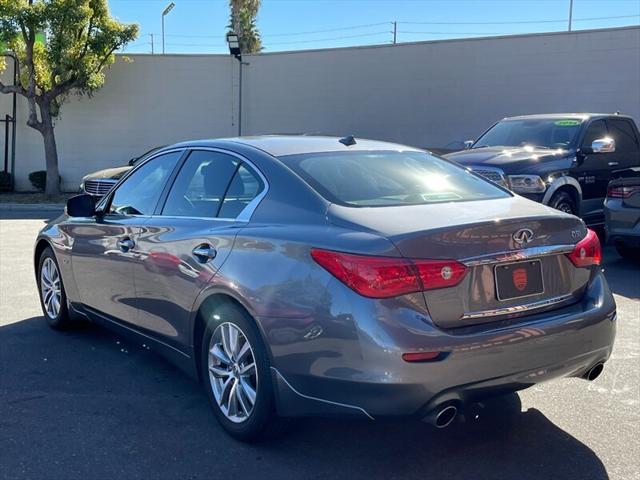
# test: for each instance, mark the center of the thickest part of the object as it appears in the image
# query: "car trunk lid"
(483, 235)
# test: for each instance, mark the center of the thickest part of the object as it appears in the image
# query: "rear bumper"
(369, 378)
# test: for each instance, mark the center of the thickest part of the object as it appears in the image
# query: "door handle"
(204, 253)
(613, 164)
(126, 244)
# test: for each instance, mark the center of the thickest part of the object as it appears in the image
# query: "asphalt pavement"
(87, 404)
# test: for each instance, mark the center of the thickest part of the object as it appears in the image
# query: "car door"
(593, 171)
(104, 252)
(189, 237)
(627, 152)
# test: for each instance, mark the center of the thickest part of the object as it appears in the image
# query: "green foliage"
(5, 181)
(63, 47)
(243, 22)
(38, 179)
(81, 38)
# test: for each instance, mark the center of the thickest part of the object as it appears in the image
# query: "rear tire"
(242, 402)
(53, 298)
(564, 202)
(629, 253)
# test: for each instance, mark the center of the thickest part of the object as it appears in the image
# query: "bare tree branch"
(12, 89)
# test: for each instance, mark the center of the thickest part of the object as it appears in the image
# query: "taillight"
(587, 251)
(622, 191)
(439, 273)
(384, 277)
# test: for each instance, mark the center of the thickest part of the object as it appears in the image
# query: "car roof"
(577, 116)
(282, 145)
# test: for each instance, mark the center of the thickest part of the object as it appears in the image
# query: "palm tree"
(243, 22)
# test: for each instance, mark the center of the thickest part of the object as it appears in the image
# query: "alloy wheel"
(564, 207)
(232, 372)
(50, 288)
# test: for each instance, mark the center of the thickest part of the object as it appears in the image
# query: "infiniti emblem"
(522, 236)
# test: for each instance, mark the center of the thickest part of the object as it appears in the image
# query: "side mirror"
(81, 206)
(601, 145)
(468, 144)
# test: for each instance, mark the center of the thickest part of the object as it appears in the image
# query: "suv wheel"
(236, 373)
(53, 298)
(564, 202)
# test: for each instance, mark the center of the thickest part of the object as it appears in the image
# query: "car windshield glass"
(136, 160)
(545, 133)
(382, 178)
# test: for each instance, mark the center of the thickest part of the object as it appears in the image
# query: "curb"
(24, 207)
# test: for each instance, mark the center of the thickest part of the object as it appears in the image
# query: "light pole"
(164, 14)
(234, 49)
(570, 13)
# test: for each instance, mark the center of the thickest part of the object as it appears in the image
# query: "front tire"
(235, 370)
(53, 298)
(564, 202)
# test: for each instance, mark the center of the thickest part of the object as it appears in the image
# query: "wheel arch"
(564, 184)
(209, 303)
(41, 245)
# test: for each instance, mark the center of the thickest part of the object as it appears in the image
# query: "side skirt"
(184, 361)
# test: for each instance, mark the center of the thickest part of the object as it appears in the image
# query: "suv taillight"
(622, 191)
(384, 277)
(587, 251)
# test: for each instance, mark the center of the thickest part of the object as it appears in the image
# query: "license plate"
(517, 280)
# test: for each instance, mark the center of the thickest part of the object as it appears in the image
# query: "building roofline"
(398, 45)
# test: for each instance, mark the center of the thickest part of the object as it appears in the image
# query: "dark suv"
(562, 160)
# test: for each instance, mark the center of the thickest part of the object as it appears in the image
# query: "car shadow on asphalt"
(88, 404)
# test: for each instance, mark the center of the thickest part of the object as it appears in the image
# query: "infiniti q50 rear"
(301, 276)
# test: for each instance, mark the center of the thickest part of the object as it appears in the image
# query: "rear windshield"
(381, 178)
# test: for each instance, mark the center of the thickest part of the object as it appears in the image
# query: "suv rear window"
(386, 178)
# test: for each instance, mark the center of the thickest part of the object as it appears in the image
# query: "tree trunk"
(235, 17)
(50, 151)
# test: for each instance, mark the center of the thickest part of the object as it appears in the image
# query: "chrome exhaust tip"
(445, 416)
(594, 372)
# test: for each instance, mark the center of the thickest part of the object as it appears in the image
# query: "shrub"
(38, 179)
(5, 181)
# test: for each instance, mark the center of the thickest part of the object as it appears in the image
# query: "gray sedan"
(298, 276)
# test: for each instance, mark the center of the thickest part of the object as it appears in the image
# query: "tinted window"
(547, 133)
(374, 179)
(201, 185)
(595, 131)
(139, 193)
(624, 135)
(244, 188)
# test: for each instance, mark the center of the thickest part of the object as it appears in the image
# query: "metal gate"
(8, 133)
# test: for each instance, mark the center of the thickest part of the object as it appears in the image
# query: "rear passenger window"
(200, 186)
(595, 131)
(244, 187)
(624, 135)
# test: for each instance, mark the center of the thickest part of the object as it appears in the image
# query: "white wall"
(425, 94)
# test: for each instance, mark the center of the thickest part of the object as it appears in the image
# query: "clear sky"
(196, 26)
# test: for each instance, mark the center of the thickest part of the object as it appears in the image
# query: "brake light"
(622, 191)
(587, 251)
(439, 273)
(384, 277)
